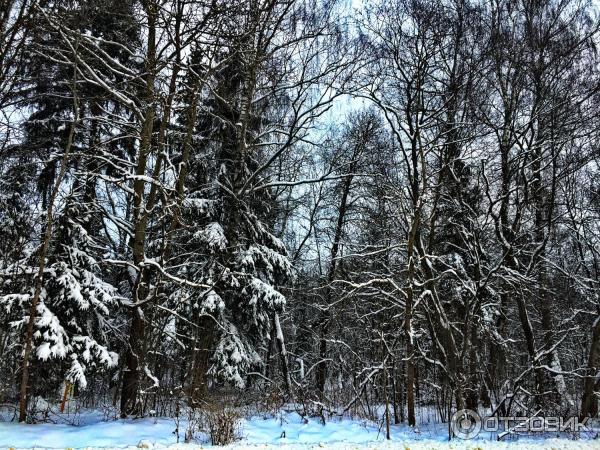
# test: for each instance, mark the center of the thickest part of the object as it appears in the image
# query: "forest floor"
(288, 431)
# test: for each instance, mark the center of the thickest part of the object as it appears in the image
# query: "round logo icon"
(465, 424)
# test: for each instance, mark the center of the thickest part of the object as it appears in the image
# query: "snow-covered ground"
(289, 431)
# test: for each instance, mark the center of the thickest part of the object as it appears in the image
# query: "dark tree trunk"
(589, 400)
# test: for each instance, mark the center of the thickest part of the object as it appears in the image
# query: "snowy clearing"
(289, 431)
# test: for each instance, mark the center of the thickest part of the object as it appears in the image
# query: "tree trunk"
(130, 403)
(135, 351)
(325, 316)
(589, 400)
(283, 355)
(202, 352)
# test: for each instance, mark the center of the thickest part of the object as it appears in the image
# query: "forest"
(383, 208)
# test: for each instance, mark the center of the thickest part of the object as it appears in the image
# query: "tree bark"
(134, 358)
(589, 400)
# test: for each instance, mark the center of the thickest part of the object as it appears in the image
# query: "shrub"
(222, 424)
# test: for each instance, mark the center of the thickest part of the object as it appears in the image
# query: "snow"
(56, 340)
(77, 372)
(202, 205)
(213, 235)
(213, 302)
(102, 434)
(288, 431)
(233, 356)
(258, 290)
